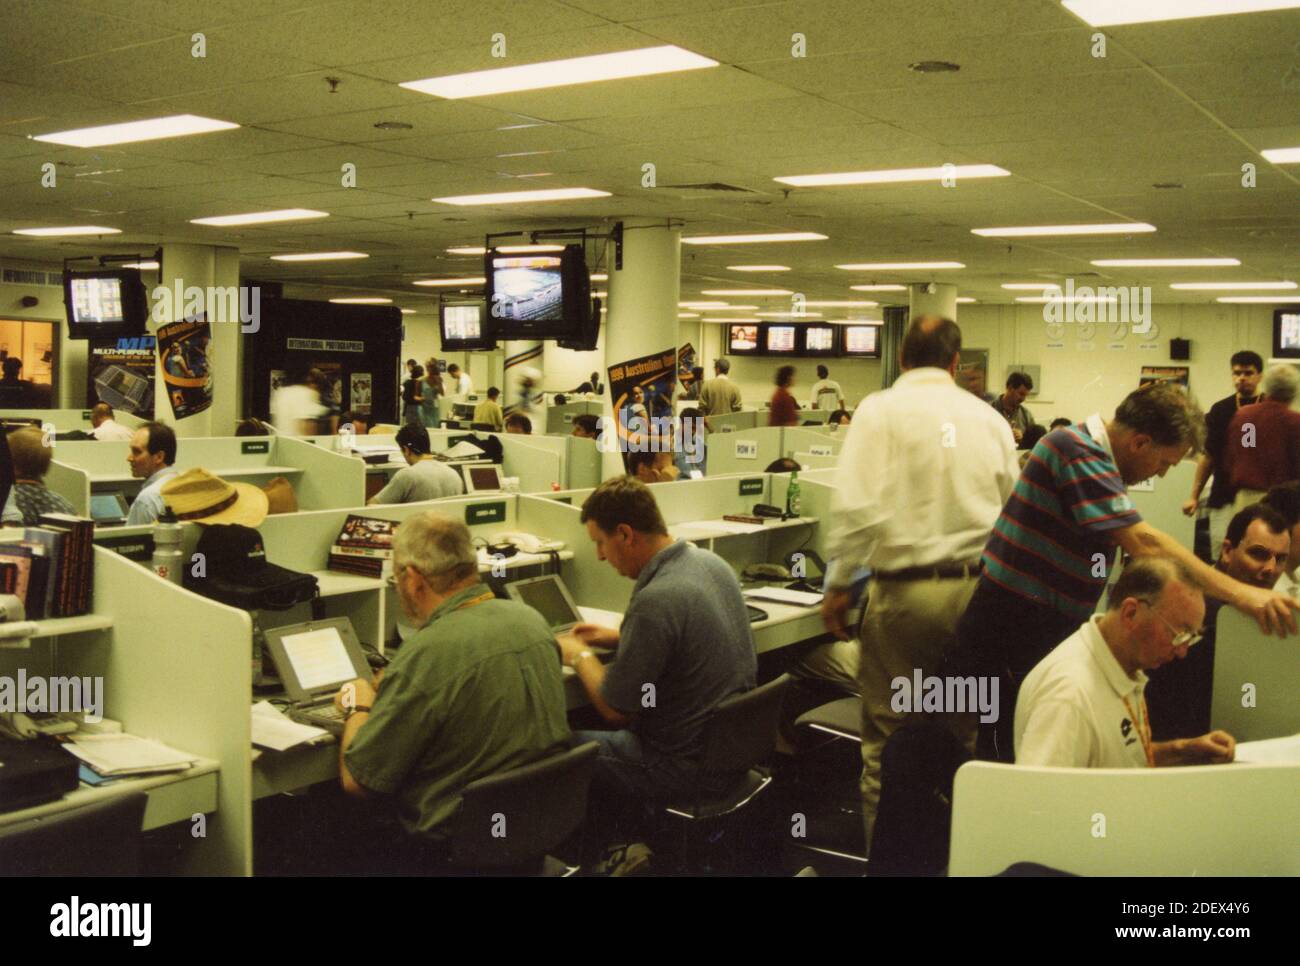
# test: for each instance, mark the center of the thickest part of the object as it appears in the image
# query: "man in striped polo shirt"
(1047, 560)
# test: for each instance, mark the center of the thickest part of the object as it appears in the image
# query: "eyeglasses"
(1180, 638)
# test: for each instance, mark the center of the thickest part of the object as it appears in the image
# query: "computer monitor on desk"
(482, 479)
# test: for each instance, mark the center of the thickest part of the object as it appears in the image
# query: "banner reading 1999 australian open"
(655, 376)
(185, 355)
(120, 373)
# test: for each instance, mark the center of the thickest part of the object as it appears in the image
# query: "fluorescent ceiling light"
(758, 268)
(1030, 286)
(523, 197)
(600, 295)
(740, 321)
(1229, 286)
(878, 288)
(747, 292)
(529, 154)
(408, 311)
(772, 236)
(319, 257)
(1111, 13)
(449, 282)
(507, 249)
(67, 230)
(369, 300)
(965, 300)
(789, 315)
(898, 266)
(688, 315)
(725, 307)
(600, 277)
(261, 217)
(150, 266)
(854, 321)
(560, 73)
(843, 303)
(1023, 231)
(1166, 262)
(703, 305)
(893, 175)
(1282, 155)
(1062, 299)
(1259, 299)
(179, 125)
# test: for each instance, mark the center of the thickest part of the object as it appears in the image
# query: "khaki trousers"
(1220, 517)
(1244, 499)
(908, 625)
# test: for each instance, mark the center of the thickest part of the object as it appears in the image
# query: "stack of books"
(52, 568)
(364, 547)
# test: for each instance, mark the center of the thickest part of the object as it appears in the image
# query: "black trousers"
(1003, 634)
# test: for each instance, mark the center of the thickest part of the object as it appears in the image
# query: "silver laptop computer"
(314, 660)
(108, 507)
(549, 597)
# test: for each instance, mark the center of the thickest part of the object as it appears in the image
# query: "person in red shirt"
(1262, 447)
(784, 408)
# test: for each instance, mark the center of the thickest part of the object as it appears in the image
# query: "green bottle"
(792, 495)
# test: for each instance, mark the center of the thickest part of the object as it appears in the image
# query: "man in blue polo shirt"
(684, 646)
(1047, 560)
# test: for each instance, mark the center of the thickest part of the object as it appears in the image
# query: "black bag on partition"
(234, 570)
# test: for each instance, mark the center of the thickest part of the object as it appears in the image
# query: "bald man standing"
(105, 427)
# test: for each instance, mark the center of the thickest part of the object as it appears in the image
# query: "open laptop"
(313, 661)
(549, 597)
(482, 479)
(108, 508)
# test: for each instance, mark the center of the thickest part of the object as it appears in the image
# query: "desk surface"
(173, 796)
(713, 529)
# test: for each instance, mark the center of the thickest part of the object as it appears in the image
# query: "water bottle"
(168, 560)
(792, 495)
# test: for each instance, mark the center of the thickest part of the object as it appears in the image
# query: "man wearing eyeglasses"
(1255, 553)
(1083, 706)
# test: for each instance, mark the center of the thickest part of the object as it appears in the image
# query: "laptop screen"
(107, 506)
(319, 658)
(545, 597)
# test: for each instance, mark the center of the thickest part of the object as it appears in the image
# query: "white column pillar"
(942, 301)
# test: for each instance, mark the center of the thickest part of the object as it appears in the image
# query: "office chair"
(100, 839)
(740, 734)
(541, 804)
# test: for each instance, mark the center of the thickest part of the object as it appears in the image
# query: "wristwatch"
(354, 710)
(581, 654)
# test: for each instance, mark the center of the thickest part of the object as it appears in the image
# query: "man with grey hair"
(1083, 705)
(719, 394)
(476, 691)
(1263, 441)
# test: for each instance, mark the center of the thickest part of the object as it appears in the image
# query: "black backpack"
(235, 571)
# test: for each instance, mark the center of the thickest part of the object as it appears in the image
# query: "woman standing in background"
(785, 411)
(411, 397)
(431, 396)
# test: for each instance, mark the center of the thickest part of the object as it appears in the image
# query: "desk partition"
(69, 420)
(1256, 680)
(1160, 502)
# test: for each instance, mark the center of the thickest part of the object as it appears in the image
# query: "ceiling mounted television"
(780, 340)
(862, 341)
(742, 339)
(820, 340)
(1286, 332)
(462, 327)
(538, 296)
(105, 303)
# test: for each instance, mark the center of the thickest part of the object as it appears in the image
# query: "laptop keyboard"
(327, 716)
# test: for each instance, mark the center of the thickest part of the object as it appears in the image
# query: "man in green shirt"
(477, 691)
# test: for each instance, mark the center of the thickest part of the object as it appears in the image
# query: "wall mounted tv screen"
(462, 327)
(105, 303)
(1286, 333)
(742, 339)
(860, 340)
(780, 340)
(820, 340)
(538, 296)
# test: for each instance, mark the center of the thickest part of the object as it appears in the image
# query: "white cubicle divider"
(559, 419)
(320, 478)
(1160, 502)
(68, 420)
(1211, 820)
(176, 668)
(745, 419)
(537, 461)
(818, 440)
(582, 463)
(744, 451)
(815, 461)
(1256, 680)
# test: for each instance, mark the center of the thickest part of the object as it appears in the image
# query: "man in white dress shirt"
(925, 470)
(1083, 705)
(106, 428)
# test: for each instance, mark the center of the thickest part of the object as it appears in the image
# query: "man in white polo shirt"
(1082, 706)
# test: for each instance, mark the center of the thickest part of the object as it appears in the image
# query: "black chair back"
(516, 817)
(742, 730)
(100, 839)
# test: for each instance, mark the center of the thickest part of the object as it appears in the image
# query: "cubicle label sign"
(255, 446)
(751, 487)
(821, 450)
(746, 449)
(477, 513)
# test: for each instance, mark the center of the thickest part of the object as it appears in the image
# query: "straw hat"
(196, 495)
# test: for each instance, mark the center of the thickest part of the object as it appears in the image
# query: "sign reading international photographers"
(121, 373)
(184, 351)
